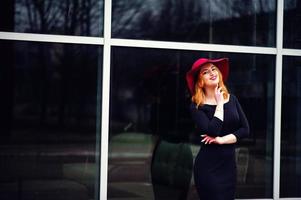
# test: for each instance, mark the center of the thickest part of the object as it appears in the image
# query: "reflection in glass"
(152, 141)
(234, 22)
(73, 17)
(290, 176)
(292, 29)
(48, 121)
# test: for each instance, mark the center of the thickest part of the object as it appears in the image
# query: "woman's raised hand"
(219, 96)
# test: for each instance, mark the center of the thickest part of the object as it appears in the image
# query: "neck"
(210, 93)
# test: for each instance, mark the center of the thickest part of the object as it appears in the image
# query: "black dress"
(215, 167)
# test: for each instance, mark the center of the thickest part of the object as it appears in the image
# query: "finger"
(216, 90)
(208, 140)
(204, 140)
(222, 93)
(203, 135)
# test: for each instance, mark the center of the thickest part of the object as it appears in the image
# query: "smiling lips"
(213, 78)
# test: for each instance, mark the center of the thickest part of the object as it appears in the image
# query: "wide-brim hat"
(222, 64)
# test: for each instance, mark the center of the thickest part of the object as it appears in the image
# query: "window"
(74, 17)
(150, 123)
(291, 128)
(48, 120)
(291, 30)
(220, 22)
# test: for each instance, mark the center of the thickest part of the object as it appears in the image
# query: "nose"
(211, 72)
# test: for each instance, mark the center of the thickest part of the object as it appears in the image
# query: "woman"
(221, 122)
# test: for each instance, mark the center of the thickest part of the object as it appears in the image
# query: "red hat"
(222, 64)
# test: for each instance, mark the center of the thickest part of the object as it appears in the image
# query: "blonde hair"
(199, 93)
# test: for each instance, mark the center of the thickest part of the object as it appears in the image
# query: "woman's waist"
(227, 149)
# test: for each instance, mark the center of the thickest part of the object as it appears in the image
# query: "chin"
(215, 84)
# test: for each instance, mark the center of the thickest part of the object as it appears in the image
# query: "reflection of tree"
(74, 77)
(55, 86)
(150, 18)
(186, 20)
(72, 17)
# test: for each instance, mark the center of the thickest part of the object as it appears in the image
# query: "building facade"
(94, 103)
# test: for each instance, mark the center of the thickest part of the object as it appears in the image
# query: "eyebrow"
(206, 68)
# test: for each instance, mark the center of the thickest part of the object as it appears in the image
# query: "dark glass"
(290, 176)
(49, 141)
(152, 141)
(291, 26)
(72, 17)
(235, 22)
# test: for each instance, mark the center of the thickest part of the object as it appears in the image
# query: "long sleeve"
(244, 129)
(211, 127)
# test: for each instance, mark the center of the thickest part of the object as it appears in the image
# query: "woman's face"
(209, 74)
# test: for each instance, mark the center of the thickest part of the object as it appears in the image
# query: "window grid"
(105, 101)
(147, 44)
(278, 95)
(36, 37)
(109, 42)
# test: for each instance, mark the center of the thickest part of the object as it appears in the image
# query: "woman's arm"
(242, 132)
(205, 125)
(227, 139)
(244, 129)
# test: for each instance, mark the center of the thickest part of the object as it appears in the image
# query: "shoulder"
(200, 109)
(193, 106)
(232, 97)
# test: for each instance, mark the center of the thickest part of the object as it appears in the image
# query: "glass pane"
(292, 29)
(291, 128)
(49, 141)
(72, 17)
(152, 140)
(236, 22)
